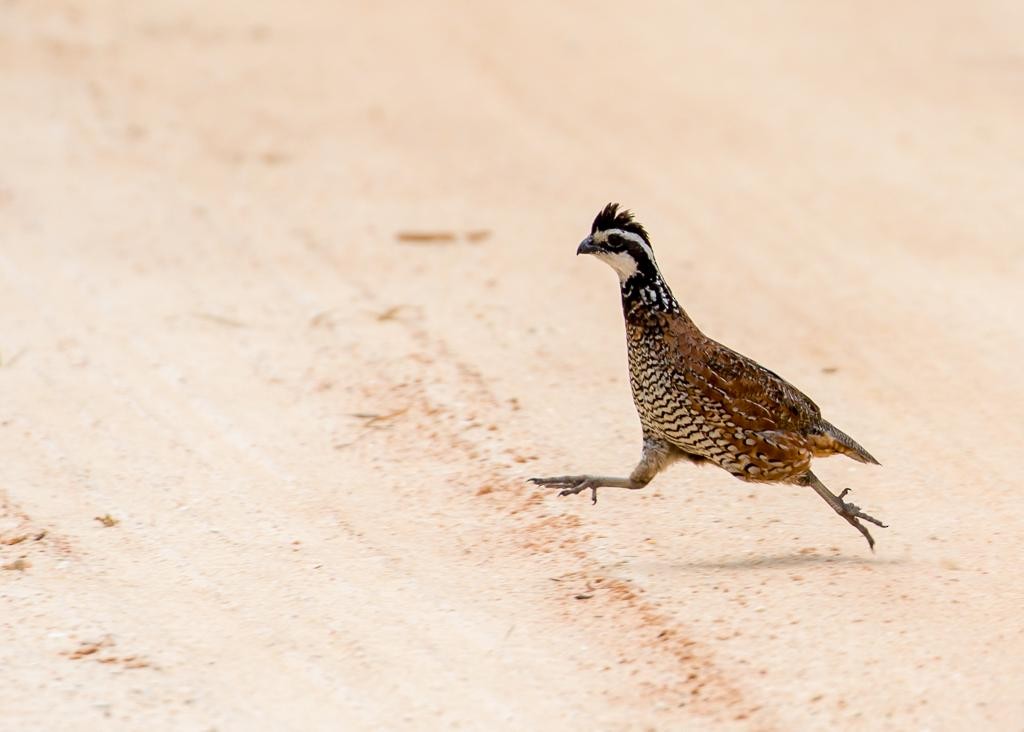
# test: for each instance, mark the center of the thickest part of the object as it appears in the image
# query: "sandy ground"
(313, 434)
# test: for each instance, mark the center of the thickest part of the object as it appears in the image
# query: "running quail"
(697, 399)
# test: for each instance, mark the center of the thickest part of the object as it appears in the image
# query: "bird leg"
(656, 455)
(848, 511)
(573, 484)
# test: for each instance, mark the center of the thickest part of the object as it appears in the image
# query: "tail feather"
(830, 440)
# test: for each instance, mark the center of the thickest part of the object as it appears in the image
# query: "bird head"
(617, 239)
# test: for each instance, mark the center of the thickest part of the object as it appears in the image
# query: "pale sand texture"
(202, 289)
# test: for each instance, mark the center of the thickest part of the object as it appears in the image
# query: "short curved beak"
(587, 246)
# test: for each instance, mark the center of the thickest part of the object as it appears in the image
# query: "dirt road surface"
(289, 299)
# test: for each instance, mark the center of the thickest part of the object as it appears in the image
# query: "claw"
(853, 510)
(570, 485)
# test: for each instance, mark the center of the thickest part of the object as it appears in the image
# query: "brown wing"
(758, 399)
(761, 420)
(775, 425)
(758, 395)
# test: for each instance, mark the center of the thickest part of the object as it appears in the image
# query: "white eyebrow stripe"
(636, 238)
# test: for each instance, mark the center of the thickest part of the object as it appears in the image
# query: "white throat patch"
(622, 262)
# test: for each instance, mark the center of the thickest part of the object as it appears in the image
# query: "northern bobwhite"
(697, 399)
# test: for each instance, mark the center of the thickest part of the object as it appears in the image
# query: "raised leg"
(848, 511)
(656, 455)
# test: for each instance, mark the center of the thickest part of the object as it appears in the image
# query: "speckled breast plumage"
(676, 404)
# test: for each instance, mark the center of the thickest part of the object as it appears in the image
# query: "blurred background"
(289, 311)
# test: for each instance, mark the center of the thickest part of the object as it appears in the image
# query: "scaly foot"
(570, 484)
(852, 512)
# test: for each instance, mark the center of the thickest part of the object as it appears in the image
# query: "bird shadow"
(782, 561)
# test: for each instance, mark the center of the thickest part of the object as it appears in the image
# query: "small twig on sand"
(7, 363)
(220, 320)
(392, 312)
(426, 237)
(373, 419)
(477, 235)
(441, 238)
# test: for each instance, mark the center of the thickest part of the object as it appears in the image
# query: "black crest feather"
(612, 218)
